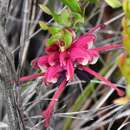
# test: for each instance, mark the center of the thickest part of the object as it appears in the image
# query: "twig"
(114, 19)
(7, 75)
(24, 34)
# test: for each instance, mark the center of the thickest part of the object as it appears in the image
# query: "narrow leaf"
(126, 7)
(43, 25)
(77, 18)
(73, 5)
(67, 38)
(54, 38)
(53, 30)
(113, 3)
(63, 18)
(45, 9)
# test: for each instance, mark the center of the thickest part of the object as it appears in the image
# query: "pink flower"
(56, 63)
(53, 73)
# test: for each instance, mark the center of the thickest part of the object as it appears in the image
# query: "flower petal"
(52, 73)
(48, 112)
(78, 54)
(83, 61)
(43, 60)
(53, 58)
(42, 63)
(63, 58)
(52, 48)
(94, 60)
(97, 75)
(34, 64)
(108, 47)
(94, 56)
(70, 70)
(30, 77)
(85, 41)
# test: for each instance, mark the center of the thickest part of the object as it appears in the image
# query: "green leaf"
(52, 41)
(77, 18)
(126, 7)
(73, 5)
(63, 18)
(113, 3)
(67, 38)
(53, 30)
(45, 9)
(54, 38)
(43, 25)
(62, 35)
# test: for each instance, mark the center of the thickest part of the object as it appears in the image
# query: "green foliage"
(128, 91)
(126, 7)
(54, 38)
(126, 34)
(77, 18)
(73, 5)
(126, 25)
(43, 25)
(64, 36)
(58, 34)
(63, 18)
(113, 3)
(124, 59)
(69, 17)
(45, 9)
(67, 38)
(124, 64)
(53, 30)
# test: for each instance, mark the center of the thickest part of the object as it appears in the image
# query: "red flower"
(56, 62)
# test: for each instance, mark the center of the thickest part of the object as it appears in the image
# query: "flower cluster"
(58, 62)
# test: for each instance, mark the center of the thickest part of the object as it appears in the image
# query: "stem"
(100, 26)
(24, 34)
(113, 19)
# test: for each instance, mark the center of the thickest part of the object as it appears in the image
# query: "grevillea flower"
(58, 62)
